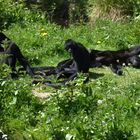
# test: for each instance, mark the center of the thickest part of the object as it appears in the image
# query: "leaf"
(2, 84)
(69, 137)
(16, 92)
(14, 101)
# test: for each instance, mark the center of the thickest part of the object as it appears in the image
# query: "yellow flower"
(99, 42)
(44, 34)
(42, 29)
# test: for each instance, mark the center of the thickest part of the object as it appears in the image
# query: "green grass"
(106, 107)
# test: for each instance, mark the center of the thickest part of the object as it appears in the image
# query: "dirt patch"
(40, 94)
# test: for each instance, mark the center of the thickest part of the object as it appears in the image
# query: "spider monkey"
(13, 54)
(70, 67)
(115, 59)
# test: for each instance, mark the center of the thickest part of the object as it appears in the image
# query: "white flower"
(100, 102)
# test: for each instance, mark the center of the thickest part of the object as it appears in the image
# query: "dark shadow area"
(94, 75)
(61, 12)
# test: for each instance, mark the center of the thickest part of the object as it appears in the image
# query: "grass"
(107, 107)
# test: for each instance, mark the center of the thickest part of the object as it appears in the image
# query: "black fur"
(115, 59)
(14, 54)
(68, 68)
(80, 55)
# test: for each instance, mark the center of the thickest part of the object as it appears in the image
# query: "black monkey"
(134, 61)
(62, 70)
(115, 59)
(45, 71)
(80, 54)
(14, 53)
(80, 61)
(70, 67)
(105, 58)
(2, 38)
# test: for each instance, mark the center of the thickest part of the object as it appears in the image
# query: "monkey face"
(69, 45)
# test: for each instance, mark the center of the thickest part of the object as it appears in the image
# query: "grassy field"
(105, 108)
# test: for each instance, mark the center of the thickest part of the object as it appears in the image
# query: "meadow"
(107, 107)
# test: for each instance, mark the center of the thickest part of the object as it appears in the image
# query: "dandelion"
(44, 34)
